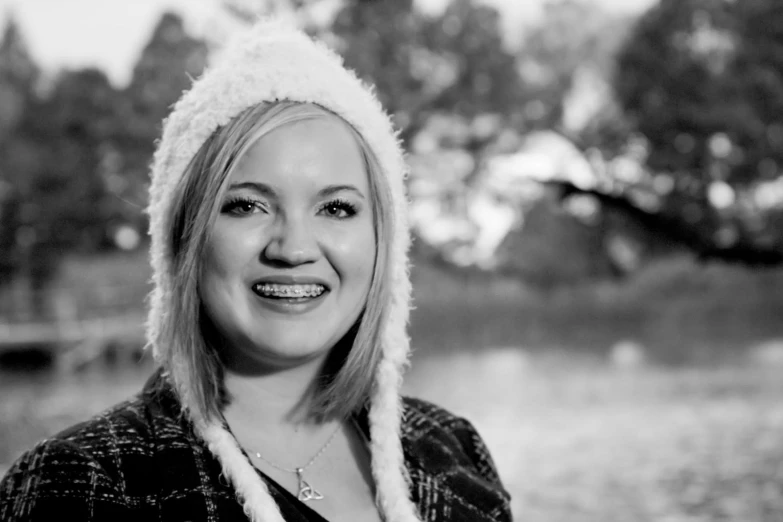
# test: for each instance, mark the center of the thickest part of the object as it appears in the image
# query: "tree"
(18, 81)
(62, 200)
(166, 67)
(671, 80)
(455, 62)
(702, 81)
(74, 158)
(83, 121)
(18, 78)
(756, 81)
(248, 11)
(381, 42)
(486, 78)
(567, 57)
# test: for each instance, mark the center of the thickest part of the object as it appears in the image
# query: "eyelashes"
(243, 206)
(337, 208)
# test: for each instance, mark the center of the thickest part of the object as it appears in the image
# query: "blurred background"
(597, 202)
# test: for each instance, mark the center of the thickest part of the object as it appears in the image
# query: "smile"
(285, 291)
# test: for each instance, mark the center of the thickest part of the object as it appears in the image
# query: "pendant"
(306, 491)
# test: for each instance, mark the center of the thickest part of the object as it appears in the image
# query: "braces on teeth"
(290, 290)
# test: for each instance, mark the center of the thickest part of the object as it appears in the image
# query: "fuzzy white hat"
(272, 62)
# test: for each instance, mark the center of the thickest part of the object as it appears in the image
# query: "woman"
(277, 216)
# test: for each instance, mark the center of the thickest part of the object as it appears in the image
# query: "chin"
(293, 351)
(285, 350)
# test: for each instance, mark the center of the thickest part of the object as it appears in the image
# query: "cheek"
(353, 254)
(227, 251)
(216, 260)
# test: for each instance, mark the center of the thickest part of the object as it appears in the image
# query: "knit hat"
(271, 62)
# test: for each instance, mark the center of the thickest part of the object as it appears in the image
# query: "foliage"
(671, 86)
(756, 86)
(692, 76)
(682, 310)
(18, 76)
(702, 81)
(420, 66)
(553, 248)
(74, 159)
(486, 79)
(573, 38)
(53, 163)
(166, 67)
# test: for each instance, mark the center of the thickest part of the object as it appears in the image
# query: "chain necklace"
(306, 491)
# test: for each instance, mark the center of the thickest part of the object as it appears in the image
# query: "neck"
(281, 398)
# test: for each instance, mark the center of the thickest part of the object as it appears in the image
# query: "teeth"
(278, 290)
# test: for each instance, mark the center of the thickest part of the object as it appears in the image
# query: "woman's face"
(289, 261)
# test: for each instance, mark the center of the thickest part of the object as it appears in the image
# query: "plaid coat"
(142, 461)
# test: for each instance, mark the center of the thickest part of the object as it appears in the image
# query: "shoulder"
(72, 473)
(126, 426)
(445, 453)
(426, 424)
(97, 466)
(57, 477)
(422, 418)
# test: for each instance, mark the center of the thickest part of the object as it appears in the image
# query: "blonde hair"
(191, 357)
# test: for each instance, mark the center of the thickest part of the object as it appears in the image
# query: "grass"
(680, 311)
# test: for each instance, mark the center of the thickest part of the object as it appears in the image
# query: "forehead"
(306, 154)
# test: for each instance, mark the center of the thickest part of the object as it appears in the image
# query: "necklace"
(306, 491)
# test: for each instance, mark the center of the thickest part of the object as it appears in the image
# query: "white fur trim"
(256, 500)
(275, 62)
(388, 468)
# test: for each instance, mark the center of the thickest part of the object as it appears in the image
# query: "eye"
(242, 207)
(339, 209)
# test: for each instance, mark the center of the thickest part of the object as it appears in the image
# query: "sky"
(110, 34)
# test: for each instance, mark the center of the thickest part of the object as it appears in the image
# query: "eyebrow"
(333, 189)
(268, 191)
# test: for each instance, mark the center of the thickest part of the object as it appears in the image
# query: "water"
(574, 438)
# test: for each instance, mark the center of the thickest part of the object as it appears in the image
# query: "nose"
(292, 242)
